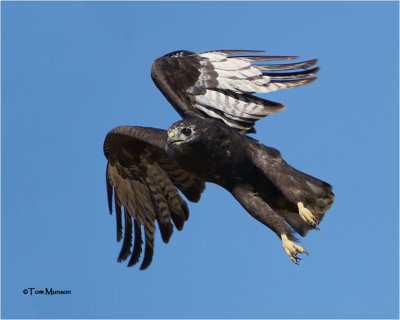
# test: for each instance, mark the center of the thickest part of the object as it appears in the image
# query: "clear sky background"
(71, 71)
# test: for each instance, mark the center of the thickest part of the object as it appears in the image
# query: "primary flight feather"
(214, 94)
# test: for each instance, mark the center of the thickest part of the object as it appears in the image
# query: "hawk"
(214, 94)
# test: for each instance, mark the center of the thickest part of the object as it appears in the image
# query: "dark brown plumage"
(213, 92)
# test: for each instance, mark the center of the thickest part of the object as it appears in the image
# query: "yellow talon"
(292, 249)
(306, 215)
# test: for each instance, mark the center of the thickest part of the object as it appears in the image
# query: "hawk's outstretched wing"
(144, 180)
(220, 84)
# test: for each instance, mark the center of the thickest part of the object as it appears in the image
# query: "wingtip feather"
(310, 63)
(110, 188)
(148, 257)
(126, 245)
(137, 246)
(166, 231)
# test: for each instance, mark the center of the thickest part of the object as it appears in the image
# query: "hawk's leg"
(307, 216)
(260, 210)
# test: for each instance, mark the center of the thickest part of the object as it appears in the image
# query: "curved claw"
(292, 249)
(307, 216)
(313, 224)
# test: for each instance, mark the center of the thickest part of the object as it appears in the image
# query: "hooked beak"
(173, 139)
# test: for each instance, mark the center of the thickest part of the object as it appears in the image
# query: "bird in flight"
(214, 94)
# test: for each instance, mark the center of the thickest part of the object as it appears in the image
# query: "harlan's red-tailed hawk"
(213, 93)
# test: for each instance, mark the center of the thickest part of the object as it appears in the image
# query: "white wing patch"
(226, 83)
(230, 105)
(237, 111)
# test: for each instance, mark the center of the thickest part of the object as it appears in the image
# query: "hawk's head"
(184, 132)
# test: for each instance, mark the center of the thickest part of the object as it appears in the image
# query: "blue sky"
(71, 71)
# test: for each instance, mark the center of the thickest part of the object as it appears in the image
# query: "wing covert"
(144, 182)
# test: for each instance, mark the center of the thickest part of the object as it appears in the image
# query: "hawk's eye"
(187, 132)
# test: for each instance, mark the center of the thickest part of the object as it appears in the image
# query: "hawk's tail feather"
(294, 185)
(318, 194)
(315, 194)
